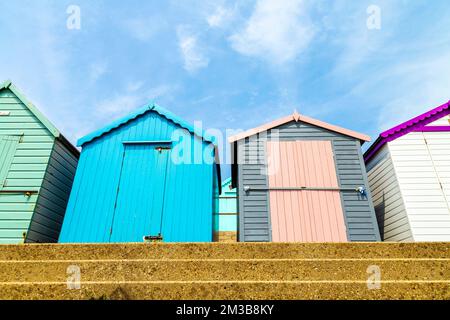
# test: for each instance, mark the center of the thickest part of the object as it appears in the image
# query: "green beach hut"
(37, 167)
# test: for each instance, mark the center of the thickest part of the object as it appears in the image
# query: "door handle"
(152, 239)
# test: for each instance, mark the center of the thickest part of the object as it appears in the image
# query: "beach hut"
(409, 175)
(37, 167)
(299, 179)
(149, 176)
(227, 216)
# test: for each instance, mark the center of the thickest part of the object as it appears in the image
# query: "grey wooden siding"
(254, 218)
(54, 195)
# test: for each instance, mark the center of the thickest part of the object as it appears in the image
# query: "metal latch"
(26, 193)
(152, 239)
(160, 149)
(362, 191)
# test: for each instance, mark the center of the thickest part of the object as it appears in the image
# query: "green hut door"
(141, 192)
(8, 146)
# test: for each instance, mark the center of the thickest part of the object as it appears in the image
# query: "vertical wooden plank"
(305, 215)
(272, 196)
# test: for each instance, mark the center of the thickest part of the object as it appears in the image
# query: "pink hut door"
(315, 213)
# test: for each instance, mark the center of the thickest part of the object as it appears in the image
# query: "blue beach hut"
(148, 176)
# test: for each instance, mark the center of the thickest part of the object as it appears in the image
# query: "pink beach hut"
(299, 179)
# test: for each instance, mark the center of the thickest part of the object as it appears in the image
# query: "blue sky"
(231, 64)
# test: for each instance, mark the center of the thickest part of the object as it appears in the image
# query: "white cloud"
(97, 70)
(415, 90)
(160, 91)
(134, 86)
(193, 56)
(220, 17)
(392, 77)
(134, 97)
(277, 31)
(144, 29)
(121, 104)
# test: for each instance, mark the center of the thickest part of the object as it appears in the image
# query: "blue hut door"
(140, 196)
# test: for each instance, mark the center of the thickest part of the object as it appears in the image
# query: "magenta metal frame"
(434, 129)
(417, 124)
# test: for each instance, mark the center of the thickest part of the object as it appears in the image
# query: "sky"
(363, 65)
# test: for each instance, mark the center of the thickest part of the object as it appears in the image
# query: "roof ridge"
(226, 181)
(299, 117)
(114, 125)
(5, 84)
(8, 84)
(139, 112)
(406, 127)
(415, 120)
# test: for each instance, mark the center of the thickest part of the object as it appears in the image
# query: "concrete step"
(231, 290)
(225, 270)
(226, 251)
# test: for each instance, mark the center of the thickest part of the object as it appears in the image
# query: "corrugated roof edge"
(163, 112)
(139, 112)
(40, 116)
(226, 181)
(406, 127)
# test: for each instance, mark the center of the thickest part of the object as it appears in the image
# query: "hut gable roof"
(415, 124)
(165, 113)
(226, 183)
(299, 117)
(9, 85)
(138, 113)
